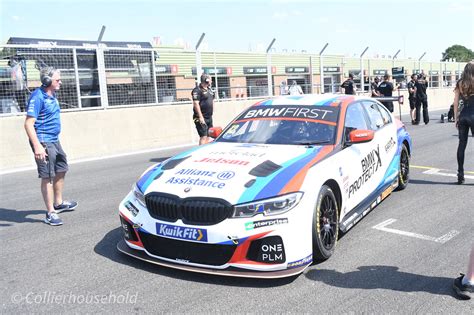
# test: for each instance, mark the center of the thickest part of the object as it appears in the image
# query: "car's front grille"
(200, 253)
(163, 207)
(198, 210)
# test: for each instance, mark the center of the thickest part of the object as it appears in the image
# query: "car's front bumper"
(264, 247)
(230, 271)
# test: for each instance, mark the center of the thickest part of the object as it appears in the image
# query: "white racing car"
(272, 192)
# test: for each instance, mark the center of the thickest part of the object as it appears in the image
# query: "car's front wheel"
(404, 173)
(325, 224)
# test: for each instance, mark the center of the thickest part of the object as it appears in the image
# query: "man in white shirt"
(295, 89)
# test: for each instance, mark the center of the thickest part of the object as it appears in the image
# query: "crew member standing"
(43, 125)
(203, 104)
(374, 87)
(421, 99)
(348, 85)
(295, 89)
(412, 96)
(385, 89)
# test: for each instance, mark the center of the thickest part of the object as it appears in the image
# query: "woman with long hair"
(465, 120)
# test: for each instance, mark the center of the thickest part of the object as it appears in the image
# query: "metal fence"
(100, 77)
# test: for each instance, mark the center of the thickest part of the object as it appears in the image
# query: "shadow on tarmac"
(107, 247)
(429, 182)
(18, 216)
(383, 277)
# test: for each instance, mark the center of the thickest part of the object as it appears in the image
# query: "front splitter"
(124, 248)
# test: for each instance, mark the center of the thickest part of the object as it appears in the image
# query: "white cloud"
(16, 18)
(280, 15)
(322, 20)
(460, 7)
(346, 30)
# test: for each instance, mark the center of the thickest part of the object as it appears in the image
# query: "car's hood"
(233, 172)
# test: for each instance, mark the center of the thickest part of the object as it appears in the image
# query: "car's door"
(352, 158)
(383, 146)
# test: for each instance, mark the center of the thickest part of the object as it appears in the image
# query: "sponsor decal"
(390, 144)
(131, 208)
(222, 161)
(302, 112)
(127, 230)
(264, 223)
(200, 180)
(386, 192)
(272, 253)
(195, 182)
(354, 218)
(305, 261)
(370, 164)
(191, 171)
(225, 175)
(239, 153)
(268, 250)
(182, 233)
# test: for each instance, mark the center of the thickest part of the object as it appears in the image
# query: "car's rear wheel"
(404, 173)
(325, 224)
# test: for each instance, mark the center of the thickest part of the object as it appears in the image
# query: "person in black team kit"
(412, 96)
(385, 89)
(203, 103)
(374, 86)
(348, 85)
(421, 99)
(464, 284)
(465, 120)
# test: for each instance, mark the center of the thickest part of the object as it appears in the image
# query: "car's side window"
(355, 119)
(375, 117)
(387, 119)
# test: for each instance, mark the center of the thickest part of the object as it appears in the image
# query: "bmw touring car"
(272, 192)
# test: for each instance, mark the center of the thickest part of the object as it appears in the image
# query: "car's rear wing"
(399, 98)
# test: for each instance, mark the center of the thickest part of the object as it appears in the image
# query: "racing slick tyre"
(325, 224)
(404, 173)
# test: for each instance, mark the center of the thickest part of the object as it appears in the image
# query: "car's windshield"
(278, 124)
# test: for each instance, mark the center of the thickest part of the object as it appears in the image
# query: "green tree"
(458, 52)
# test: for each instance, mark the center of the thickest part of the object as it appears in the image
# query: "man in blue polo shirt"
(43, 125)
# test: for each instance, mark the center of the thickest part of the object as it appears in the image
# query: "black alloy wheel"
(325, 224)
(404, 173)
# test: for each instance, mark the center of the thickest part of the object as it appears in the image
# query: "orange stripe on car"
(297, 181)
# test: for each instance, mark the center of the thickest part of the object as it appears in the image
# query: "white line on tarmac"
(442, 239)
(437, 171)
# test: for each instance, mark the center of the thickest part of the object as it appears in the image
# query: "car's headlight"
(272, 206)
(138, 195)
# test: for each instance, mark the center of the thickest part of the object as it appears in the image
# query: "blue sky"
(348, 26)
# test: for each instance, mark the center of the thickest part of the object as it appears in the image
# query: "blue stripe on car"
(150, 176)
(269, 186)
(393, 168)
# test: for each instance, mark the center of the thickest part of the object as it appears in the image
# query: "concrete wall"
(101, 133)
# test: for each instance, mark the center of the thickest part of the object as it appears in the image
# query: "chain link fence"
(100, 77)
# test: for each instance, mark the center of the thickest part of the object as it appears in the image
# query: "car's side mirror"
(360, 136)
(214, 132)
